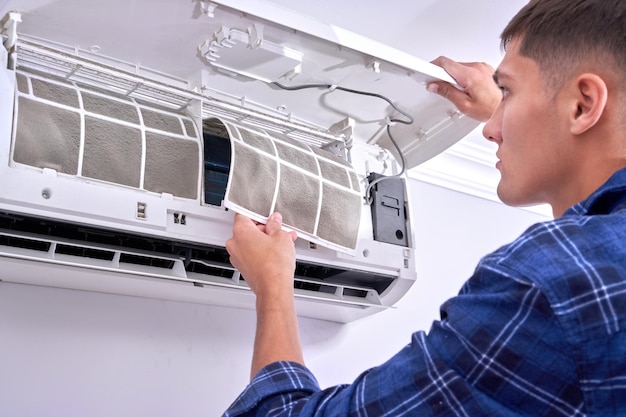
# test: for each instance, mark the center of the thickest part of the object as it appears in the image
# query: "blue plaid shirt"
(538, 330)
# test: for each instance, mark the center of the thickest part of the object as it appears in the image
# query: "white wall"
(72, 353)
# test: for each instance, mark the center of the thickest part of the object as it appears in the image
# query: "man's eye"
(505, 91)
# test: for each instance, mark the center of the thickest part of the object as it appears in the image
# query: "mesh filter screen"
(120, 139)
(305, 161)
(55, 92)
(171, 165)
(298, 197)
(22, 83)
(317, 193)
(337, 214)
(112, 152)
(190, 129)
(119, 111)
(252, 180)
(47, 137)
(161, 121)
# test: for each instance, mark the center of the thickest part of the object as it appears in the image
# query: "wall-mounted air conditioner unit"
(130, 133)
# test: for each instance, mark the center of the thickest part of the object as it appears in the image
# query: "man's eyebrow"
(498, 75)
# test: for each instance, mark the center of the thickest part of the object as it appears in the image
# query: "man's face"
(528, 129)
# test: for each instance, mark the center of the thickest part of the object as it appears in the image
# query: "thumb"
(444, 89)
(274, 223)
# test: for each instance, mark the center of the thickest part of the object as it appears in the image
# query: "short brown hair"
(560, 35)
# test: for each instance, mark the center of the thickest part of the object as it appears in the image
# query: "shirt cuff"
(274, 379)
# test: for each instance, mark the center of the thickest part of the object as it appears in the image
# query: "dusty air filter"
(317, 192)
(90, 133)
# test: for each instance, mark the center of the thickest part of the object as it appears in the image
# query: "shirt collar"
(610, 197)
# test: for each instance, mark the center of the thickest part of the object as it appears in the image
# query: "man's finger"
(447, 91)
(274, 223)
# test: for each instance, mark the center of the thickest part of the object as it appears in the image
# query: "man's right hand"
(264, 254)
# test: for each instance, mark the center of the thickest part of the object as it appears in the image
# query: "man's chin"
(512, 200)
(517, 201)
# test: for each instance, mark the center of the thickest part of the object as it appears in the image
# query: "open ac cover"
(122, 163)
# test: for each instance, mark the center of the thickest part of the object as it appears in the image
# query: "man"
(540, 327)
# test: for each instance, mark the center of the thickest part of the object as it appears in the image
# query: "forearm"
(277, 337)
(266, 258)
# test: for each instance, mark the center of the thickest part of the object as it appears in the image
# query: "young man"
(540, 328)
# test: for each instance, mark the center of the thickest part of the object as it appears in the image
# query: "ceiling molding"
(468, 167)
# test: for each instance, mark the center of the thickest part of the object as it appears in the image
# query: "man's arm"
(277, 337)
(482, 358)
(265, 256)
(480, 95)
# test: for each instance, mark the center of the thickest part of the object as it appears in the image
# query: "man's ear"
(590, 95)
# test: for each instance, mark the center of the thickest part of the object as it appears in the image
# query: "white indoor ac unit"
(130, 133)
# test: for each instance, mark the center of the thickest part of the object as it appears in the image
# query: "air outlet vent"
(84, 252)
(17, 242)
(146, 260)
(198, 266)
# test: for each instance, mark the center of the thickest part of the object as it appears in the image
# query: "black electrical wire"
(409, 120)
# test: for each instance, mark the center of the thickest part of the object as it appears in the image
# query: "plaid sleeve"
(289, 379)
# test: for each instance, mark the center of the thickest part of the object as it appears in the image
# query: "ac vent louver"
(91, 248)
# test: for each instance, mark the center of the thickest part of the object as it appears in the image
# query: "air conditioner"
(131, 132)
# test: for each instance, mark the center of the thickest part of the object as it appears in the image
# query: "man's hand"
(264, 254)
(480, 95)
(266, 257)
